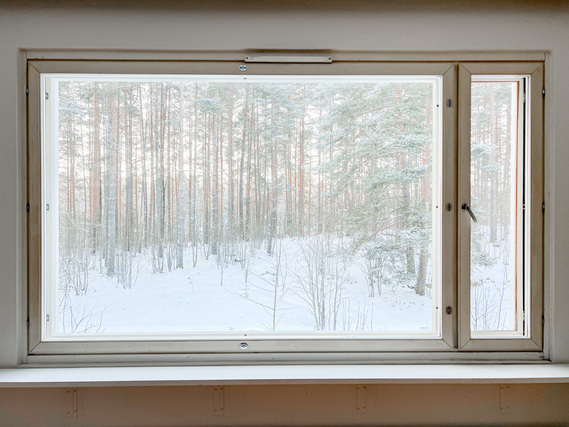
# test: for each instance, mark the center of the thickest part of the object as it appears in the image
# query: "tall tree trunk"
(494, 159)
(160, 196)
(250, 140)
(128, 226)
(274, 198)
(421, 280)
(144, 190)
(301, 167)
(242, 165)
(180, 220)
(230, 184)
(112, 178)
(95, 174)
(206, 188)
(194, 181)
(214, 189)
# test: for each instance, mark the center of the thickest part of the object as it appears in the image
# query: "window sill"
(283, 374)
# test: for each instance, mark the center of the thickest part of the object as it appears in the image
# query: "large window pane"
(221, 205)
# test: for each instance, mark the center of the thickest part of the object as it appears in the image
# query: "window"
(502, 251)
(344, 207)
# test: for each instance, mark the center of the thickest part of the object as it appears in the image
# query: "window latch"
(466, 207)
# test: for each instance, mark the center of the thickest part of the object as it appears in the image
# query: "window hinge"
(28, 323)
(543, 207)
(543, 92)
(27, 207)
(27, 91)
(46, 95)
(542, 320)
(504, 399)
(219, 401)
(361, 399)
(73, 408)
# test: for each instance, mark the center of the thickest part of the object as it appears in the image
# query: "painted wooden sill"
(284, 374)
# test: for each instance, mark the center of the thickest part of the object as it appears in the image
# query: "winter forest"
(286, 205)
(497, 162)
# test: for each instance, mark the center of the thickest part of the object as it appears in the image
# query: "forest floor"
(246, 298)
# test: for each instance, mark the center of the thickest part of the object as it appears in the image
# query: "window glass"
(497, 201)
(207, 204)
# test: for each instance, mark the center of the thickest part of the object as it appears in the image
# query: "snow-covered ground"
(494, 292)
(200, 299)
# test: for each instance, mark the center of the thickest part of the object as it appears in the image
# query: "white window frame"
(455, 342)
(536, 204)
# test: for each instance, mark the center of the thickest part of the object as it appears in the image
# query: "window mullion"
(463, 218)
(448, 184)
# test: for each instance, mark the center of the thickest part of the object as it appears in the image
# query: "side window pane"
(497, 174)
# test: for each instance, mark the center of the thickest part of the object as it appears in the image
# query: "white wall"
(305, 25)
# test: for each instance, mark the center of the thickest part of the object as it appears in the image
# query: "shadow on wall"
(296, 5)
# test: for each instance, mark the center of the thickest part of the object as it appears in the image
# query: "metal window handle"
(465, 207)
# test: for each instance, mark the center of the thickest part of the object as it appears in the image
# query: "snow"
(194, 300)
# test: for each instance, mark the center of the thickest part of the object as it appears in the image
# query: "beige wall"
(341, 25)
(289, 405)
